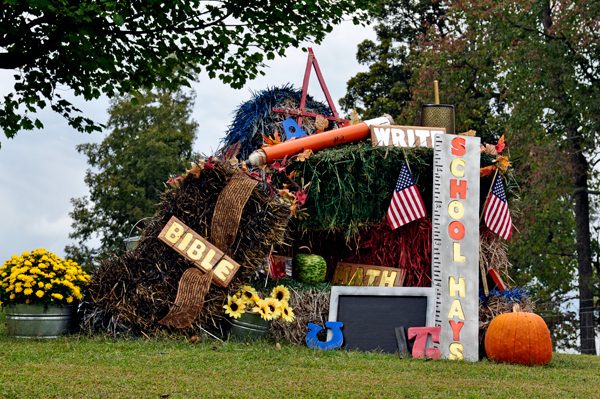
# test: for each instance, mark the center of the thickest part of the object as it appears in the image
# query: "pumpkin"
(519, 337)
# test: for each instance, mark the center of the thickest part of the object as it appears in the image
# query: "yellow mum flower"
(14, 257)
(48, 286)
(69, 299)
(12, 296)
(27, 300)
(28, 291)
(25, 254)
(39, 293)
(57, 296)
(41, 285)
(44, 258)
(18, 288)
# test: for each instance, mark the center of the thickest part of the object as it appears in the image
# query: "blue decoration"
(255, 118)
(297, 133)
(335, 342)
(516, 295)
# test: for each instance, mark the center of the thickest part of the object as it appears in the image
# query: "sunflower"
(281, 293)
(248, 294)
(263, 310)
(234, 307)
(274, 307)
(287, 314)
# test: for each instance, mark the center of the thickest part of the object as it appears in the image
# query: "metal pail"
(250, 326)
(37, 321)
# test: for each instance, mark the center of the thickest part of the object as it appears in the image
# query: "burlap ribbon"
(193, 287)
(228, 210)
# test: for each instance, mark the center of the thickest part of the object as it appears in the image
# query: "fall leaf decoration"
(488, 170)
(502, 162)
(196, 169)
(209, 164)
(268, 142)
(321, 123)
(500, 146)
(280, 167)
(304, 155)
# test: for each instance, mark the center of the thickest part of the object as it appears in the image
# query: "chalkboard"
(371, 314)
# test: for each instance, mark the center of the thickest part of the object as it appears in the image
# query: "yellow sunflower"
(281, 293)
(234, 307)
(248, 294)
(263, 309)
(274, 307)
(287, 314)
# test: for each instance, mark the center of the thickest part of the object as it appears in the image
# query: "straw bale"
(129, 294)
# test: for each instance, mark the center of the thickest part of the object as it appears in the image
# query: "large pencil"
(316, 142)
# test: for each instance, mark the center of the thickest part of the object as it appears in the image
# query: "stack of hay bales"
(131, 293)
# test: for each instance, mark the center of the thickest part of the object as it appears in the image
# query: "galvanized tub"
(37, 321)
(250, 326)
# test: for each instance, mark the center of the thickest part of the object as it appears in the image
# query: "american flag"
(496, 214)
(406, 204)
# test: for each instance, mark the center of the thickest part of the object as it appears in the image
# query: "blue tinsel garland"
(516, 295)
(255, 117)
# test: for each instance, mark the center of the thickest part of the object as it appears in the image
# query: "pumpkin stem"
(516, 308)
(309, 250)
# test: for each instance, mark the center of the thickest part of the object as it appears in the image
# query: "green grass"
(83, 367)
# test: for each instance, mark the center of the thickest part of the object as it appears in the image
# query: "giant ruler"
(455, 249)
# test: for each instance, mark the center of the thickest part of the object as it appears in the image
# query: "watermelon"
(309, 269)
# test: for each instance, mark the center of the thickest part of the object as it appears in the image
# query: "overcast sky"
(40, 171)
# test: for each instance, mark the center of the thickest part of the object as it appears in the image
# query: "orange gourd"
(519, 337)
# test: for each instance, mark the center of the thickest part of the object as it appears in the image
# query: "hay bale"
(129, 294)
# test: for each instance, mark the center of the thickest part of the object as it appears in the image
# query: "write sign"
(197, 249)
(368, 275)
(404, 136)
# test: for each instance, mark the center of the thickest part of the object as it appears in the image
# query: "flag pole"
(406, 159)
(488, 195)
(481, 265)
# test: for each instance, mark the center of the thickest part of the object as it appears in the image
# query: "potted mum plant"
(250, 316)
(39, 293)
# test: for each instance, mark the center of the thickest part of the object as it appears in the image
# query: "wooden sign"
(455, 249)
(197, 249)
(404, 136)
(355, 274)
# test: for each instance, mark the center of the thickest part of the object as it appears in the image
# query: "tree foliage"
(149, 143)
(116, 47)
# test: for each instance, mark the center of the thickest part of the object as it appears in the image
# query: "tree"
(149, 143)
(536, 62)
(385, 88)
(118, 47)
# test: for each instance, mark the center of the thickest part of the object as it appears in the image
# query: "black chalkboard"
(370, 321)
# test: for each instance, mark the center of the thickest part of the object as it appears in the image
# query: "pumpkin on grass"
(519, 337)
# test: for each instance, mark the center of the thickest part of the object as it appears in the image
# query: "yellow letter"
(186, 240)
(456, 310)
(388, 280)
(196, 250)
(357, 278)
(222, 269)
(206, 261)
(456, 351)
(456, 209)
(174, 232)
(372, 273)
(457, 256)
(341, 275)
(460, 287)
(454, 167)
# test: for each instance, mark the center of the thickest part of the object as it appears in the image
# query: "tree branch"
(577, 191)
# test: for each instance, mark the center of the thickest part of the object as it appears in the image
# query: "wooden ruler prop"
(455, 249)
(197, 249)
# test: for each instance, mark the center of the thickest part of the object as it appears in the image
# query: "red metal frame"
(312, 61)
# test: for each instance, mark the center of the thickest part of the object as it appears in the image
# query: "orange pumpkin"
(519, 337)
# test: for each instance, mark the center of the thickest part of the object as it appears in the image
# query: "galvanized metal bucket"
(250, 326)
(37, 321)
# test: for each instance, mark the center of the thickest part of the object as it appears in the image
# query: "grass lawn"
(83, 367)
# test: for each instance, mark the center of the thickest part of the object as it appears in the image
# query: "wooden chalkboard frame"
(422, 292)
